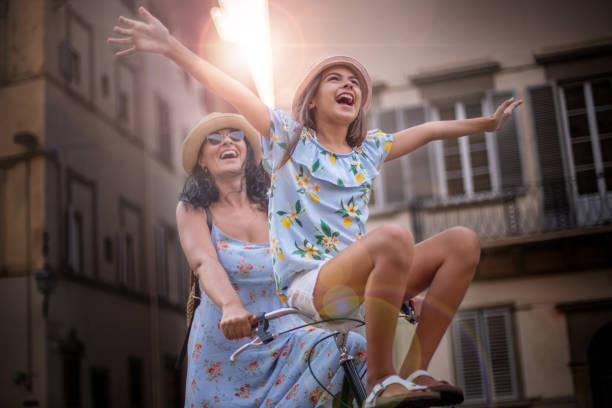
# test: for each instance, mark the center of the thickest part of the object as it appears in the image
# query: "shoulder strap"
(209, 218)
(196, 292)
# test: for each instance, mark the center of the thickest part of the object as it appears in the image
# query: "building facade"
(90, 177)
(93, 200)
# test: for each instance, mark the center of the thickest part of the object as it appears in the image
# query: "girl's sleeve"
(282, 129)
(376, 147)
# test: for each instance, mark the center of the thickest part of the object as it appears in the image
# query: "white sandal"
(449, 394)
(417, 397)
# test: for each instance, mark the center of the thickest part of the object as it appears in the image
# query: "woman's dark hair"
(200, 189)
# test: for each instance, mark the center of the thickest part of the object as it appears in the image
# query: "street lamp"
(45, 282)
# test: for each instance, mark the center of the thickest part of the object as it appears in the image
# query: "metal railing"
(532, 209)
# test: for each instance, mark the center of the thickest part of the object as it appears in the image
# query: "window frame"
(464, 152)
(73, 178)
(594, 136)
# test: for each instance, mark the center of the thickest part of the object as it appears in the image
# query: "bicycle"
(353, 388)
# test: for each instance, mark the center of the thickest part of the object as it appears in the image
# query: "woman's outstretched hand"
(148, 36)
(503, 112)
(236, 322)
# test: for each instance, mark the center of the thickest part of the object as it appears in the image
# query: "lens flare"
(246, 23)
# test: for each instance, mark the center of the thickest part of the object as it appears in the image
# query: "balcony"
(532, 212)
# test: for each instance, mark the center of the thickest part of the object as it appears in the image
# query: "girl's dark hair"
(200, 189)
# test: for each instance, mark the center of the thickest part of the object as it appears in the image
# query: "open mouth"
(228, 154)
(345, 98)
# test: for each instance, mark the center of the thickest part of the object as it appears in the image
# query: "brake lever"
(255, 342)
(408, 312)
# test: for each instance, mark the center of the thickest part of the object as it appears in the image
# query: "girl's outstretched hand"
(148, 36)
(502, 113)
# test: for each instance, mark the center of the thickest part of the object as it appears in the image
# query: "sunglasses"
(216, 138)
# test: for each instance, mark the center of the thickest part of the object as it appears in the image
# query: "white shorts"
(300, 295)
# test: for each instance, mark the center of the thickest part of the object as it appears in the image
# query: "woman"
(233, 266)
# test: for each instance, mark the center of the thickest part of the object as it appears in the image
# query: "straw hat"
(211, 123)
(351, 63)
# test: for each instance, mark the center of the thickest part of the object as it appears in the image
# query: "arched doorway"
(600, 367)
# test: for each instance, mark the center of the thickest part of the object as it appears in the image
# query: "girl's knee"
(395, 242)
(465, 244)
(394, 235)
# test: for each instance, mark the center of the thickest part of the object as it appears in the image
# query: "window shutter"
(392, 174)
(161, 261)
(508, 149)
(550, 158)
(470, 367)
(420, 181)
(122, 256)
(501, 354)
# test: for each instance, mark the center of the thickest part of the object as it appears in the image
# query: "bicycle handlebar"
(261, 323)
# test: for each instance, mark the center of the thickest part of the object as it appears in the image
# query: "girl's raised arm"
(152, 36)
(408, 140)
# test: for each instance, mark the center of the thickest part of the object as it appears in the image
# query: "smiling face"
(338, 97)
(224, 158)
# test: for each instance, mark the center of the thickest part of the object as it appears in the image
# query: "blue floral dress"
(271, 375)
(318, 199)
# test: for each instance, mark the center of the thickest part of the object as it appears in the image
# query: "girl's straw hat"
(351, 63)
(211, 123)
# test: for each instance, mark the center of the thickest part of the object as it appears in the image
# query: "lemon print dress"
(318, 199)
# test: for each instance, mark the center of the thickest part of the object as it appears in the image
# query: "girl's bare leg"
(374, 269)
(446, 264)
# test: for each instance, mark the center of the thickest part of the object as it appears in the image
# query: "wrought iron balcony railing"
(534, 209)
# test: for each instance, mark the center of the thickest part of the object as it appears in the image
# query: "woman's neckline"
(238, 240)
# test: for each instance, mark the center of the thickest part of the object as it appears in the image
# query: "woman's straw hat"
(211, 123)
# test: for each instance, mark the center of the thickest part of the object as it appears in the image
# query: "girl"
(233, 263)
(322, 162)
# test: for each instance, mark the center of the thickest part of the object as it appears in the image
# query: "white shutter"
(469, 364)
(484, 356)
(392, 172)
(500, 350)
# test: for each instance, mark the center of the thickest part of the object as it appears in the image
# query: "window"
(100, 388)
(130, 4)
(484, 355)
(402, 179)
(76, 56)
(470, 167)
(75, 241)
(587, 114)
(135, 382)
(130, 247)
(72, 350)
(173, 384)
(81, 225)
(104, 85)
(164, 133)
(170, 279)
(466, 166)
(573, 129)
(126, 91)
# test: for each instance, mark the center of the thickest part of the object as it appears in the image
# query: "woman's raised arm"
(408, 140)
(152, 36)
